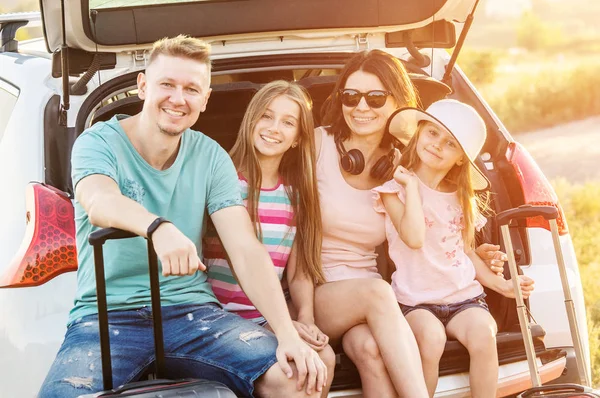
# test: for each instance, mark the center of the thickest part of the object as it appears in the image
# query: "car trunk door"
(126, 25)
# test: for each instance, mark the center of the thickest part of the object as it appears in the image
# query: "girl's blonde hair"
(297, 169)
(473, 204)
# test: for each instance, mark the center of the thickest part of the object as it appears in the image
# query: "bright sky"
(507, 7)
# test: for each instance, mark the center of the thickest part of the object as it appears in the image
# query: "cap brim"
(403, 124)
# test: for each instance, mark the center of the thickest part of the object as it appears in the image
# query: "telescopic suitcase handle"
(549, 213)
(526, 211)
(97, 240)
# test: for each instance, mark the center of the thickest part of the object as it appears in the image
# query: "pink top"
(440, 272)
(352, 229)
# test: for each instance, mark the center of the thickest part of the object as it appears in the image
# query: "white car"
(98, 55)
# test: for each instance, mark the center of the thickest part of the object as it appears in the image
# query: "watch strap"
(154, 226)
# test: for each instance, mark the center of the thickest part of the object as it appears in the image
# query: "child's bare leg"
(361, 348)
(327, 355)
(431, 338)
(341, 305)
(476, 330)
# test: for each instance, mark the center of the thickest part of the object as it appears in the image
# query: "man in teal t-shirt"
(152, 175)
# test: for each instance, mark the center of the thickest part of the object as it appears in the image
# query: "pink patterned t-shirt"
(440, 272)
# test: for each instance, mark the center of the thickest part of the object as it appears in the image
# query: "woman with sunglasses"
(356, 306)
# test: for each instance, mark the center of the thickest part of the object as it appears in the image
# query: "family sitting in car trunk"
(284, 270)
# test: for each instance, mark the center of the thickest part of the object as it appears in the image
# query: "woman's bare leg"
(341, 305)
(476, 329)
(431, 338)
(361, 348)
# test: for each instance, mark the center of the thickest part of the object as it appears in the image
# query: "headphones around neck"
(353, 162)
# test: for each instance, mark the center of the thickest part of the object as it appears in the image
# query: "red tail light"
(48, 248)
(536, 188)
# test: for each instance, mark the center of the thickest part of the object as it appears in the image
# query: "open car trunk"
(221, 121)
(115, 26)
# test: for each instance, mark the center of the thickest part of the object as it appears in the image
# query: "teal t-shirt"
(201, 180)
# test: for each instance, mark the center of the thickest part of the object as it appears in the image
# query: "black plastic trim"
(456, 358)
(80, 61)
(58, 142)
(142, 25)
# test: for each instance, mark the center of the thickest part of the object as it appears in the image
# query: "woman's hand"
(492, 257)
(526, 283)
(312, 335)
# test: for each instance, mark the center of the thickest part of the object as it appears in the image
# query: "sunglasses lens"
(350, 97)
(376, 99)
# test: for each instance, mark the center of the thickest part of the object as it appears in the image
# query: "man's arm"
(107, 207)
(255, 272)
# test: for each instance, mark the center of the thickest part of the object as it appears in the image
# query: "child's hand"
(397, 157)
(492, 257)
(404, 177)
(312, 335)
(527, 285)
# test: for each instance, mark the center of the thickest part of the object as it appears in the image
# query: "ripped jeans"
(201, 341)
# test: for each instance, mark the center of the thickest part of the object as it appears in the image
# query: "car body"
(253, 42)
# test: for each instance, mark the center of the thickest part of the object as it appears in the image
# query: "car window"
(8, 99)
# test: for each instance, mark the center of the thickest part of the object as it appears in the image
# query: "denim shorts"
(201, 341)
(445, 312)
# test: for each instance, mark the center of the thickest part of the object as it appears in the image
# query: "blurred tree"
(534, 34)
(479, 65)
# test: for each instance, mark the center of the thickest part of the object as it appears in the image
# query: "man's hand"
(526, 283)
(176, 252)
(492, 257)
(312, 335)
(311, 369)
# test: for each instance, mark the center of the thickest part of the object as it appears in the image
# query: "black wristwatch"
(154, 226)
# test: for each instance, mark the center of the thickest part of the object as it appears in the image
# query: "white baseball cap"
(457, 118)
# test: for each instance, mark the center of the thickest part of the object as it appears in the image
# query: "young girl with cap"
(432, 211)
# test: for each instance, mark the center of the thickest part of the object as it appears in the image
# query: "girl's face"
(277, 128)
(438, 149)
(363, 119)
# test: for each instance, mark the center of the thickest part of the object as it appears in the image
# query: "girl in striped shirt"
(275, 158)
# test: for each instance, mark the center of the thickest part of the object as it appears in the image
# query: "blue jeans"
(445, 312)
(201, 341)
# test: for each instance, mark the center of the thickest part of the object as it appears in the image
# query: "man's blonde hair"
(181, 46)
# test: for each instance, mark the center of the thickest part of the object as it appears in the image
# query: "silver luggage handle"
(550, 213)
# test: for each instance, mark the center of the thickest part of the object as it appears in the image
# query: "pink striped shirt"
(276, 217)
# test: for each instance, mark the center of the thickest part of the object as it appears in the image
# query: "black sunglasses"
(374, 98)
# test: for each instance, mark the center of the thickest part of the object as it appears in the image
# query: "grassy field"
(533, 91)
(581, 205)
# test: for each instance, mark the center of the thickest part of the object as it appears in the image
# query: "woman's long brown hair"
(297, 169)
(472, 204)
(393, 76)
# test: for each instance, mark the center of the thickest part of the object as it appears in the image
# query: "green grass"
(530, 91)
(581, 204)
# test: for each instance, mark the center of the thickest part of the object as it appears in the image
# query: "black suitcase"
(550, 213)
(158, 387)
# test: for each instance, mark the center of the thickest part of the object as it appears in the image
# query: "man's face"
(175, 91)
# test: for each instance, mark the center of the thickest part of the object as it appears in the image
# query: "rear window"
(8, 99)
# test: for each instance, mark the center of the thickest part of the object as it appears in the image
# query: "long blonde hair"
(473, 204)
(297, 169)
